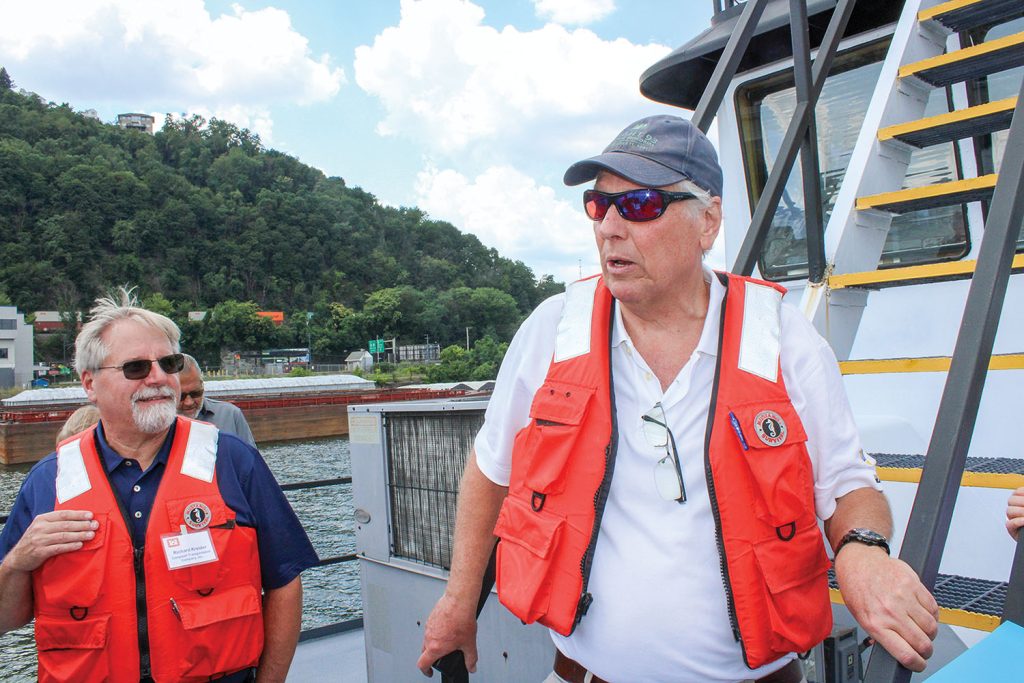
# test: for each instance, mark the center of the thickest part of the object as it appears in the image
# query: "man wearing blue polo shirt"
(152, 547)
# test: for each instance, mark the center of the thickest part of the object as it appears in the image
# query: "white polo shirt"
(660, 612)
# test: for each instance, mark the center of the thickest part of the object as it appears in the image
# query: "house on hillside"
(359, 360)
(15, 348)
(135, 121)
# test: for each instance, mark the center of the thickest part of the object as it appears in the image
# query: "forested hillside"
(202, 217)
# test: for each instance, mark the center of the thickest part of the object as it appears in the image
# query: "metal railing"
(800, 136)
(338, 626)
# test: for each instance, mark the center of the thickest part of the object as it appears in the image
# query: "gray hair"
(702, 195)
(192, 364)
(90, 350)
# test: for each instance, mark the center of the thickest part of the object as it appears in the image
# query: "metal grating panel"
(426, 453)
(973, 464)
(966, 593)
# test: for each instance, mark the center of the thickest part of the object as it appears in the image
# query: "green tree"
(5, 80)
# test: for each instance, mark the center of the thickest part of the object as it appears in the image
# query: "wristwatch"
(865, 536)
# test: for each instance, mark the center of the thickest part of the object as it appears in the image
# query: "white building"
(359, 360)
(15, 348)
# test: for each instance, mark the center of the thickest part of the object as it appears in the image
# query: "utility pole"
(467, 338)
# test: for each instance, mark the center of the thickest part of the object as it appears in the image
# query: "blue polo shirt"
(246, 484)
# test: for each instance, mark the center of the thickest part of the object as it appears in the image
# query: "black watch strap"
(865, 537)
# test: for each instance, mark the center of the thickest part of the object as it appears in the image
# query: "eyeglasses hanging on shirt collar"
(668, 475)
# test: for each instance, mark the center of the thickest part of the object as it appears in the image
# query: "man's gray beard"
(155, 418)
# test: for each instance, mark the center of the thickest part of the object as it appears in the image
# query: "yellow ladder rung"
(1002, 361)
(963, 54)
(978, 111)
(911, 273)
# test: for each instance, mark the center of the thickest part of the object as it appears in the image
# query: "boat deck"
(338, 657)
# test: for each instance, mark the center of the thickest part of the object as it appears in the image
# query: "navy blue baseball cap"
(655, 152)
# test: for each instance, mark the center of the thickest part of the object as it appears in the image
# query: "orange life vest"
(98, 610)
(773, 561)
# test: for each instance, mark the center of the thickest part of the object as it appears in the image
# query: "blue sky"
(469, 110)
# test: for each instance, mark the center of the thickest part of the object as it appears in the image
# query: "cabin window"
(765, 108)
(990, 148)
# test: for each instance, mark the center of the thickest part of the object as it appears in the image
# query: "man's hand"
(888, 600)
(51, 534)
(451, 626)
(1015, 512)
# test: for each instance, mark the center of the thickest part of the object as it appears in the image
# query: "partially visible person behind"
(1015, 513)
(79, 421)
(225, 416)
(151, 547)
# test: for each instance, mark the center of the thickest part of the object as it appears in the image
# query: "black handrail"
(1013, 609)
(809, 167)
(753, 242)
(928, 527)
(727, 64)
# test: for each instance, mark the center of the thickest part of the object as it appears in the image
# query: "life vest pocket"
(524, 557)
(774, 450)
(224, 631)
(71, 649)
(795, 575)
(557, 411)
(74, 579)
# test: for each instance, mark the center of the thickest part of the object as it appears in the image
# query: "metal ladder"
(917, 62)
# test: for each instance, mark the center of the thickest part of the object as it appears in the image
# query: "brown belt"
(573, 672)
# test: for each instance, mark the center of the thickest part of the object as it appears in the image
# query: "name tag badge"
(188, 549)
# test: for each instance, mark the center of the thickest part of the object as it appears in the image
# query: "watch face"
(865, 536)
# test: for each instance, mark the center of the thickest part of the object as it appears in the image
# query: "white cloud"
(574, 11)
(133, 54)
(510, 212)
(449, 81)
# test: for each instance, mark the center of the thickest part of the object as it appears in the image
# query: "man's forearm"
(15, 598)
(282, 620)
(862, 508)
(479, 502)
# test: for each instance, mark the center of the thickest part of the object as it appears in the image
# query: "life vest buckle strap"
(537, 501)
(788, 534)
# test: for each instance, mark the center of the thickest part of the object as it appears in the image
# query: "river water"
(330, 594)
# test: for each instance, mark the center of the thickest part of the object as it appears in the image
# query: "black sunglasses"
(195, 394)
(139, 369)
(636, 206)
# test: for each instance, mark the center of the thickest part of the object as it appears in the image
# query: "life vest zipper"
(709, 477)
(601, 495)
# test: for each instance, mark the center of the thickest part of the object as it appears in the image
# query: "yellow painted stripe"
(928, 191)
(952, 617)
(942, 8)
(981, 480)
(910, 273)
(1002, 361)
(960, 55)
(978, 111)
